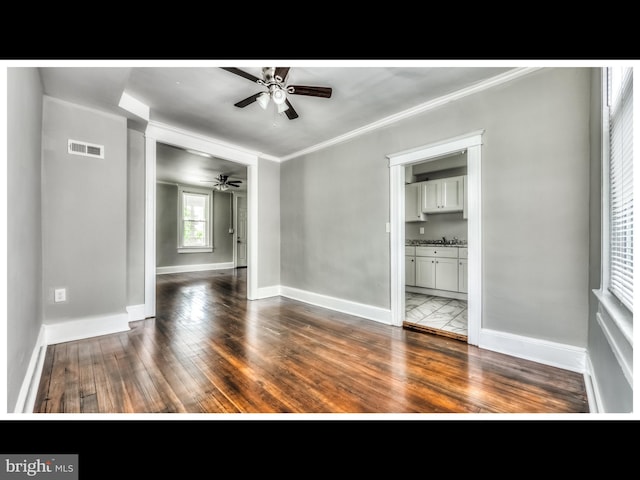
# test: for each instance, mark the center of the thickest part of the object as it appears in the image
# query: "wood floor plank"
(210, 350)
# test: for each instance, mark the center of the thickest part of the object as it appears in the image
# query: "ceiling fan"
(275, 80)
(223, 183)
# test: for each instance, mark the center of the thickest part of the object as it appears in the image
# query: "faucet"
(444, 240)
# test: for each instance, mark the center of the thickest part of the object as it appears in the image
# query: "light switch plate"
(421, 230)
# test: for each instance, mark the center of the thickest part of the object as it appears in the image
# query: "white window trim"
(617, 311)
(202, 191)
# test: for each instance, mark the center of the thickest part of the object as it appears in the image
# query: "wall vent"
(85, 149)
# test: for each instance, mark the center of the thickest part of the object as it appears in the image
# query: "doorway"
(158, 133)
(436, 246)
(472, 143)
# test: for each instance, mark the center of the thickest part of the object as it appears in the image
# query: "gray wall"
(268, 223)
(616, 393)
(334, 205)
(24, 231)
(167, 230)
(135, 217)
(535, 184)
(84, 212)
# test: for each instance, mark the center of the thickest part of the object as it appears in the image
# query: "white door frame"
(472, 143)
(157, 132)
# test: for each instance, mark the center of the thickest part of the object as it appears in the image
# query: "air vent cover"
(85, 149)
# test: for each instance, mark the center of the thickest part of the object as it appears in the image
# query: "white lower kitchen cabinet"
(447, 274)
(410, 271)
(438, 273)
(426, 272)
(463, 276)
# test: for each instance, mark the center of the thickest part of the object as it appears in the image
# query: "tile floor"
(436, 312)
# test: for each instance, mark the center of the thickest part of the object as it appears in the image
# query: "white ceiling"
(201, 99)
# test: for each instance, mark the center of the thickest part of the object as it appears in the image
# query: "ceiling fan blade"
(282, 72)
(233, 184)
(248, 100)
(290, 112)
(324, 92)
(242, 73)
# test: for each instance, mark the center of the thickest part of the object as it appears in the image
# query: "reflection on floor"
(445, 316)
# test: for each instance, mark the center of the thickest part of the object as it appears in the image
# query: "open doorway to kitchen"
(398, 165)
(436, 246)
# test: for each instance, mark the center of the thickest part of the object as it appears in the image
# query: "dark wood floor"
(209, 350)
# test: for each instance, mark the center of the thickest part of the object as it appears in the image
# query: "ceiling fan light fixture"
(263, 100)
(278, 95)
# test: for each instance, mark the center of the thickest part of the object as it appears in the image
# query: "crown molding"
(431, 104)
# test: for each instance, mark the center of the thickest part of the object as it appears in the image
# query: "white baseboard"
(378, 314)
(136, 312)
(85, 328)
(194, 268)
(29, 389)
(558, 355)
(591, 385)
(268, 292)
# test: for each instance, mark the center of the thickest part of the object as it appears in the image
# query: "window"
(194, 220)
(619, 201)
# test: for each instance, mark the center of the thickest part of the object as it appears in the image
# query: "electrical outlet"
(60, 295)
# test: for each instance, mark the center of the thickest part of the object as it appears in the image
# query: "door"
(451, 194)
(410, 270)
(241, 239)
(447, 274)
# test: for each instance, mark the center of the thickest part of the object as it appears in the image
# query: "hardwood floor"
(209, 350)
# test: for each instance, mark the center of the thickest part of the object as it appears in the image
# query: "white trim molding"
(555, 354)
(472, 143)
(29, 390)
(369, 312)
(136, 312)
(430, 105)
(202, 267)
(81, 328)
(269, 292)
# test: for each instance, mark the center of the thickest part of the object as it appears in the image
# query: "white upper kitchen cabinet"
(413, 203)
(443, 195)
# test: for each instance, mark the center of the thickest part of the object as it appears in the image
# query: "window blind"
(620, 93)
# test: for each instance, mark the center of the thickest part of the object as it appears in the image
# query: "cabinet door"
(410, 271)
(447, 274)
(463, 276)
(430, 199)
(426, 272)
(412, 203)
(451, 194)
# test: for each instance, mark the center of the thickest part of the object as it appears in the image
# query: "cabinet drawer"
(410, 251)
(436, 251)
(463, 253)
